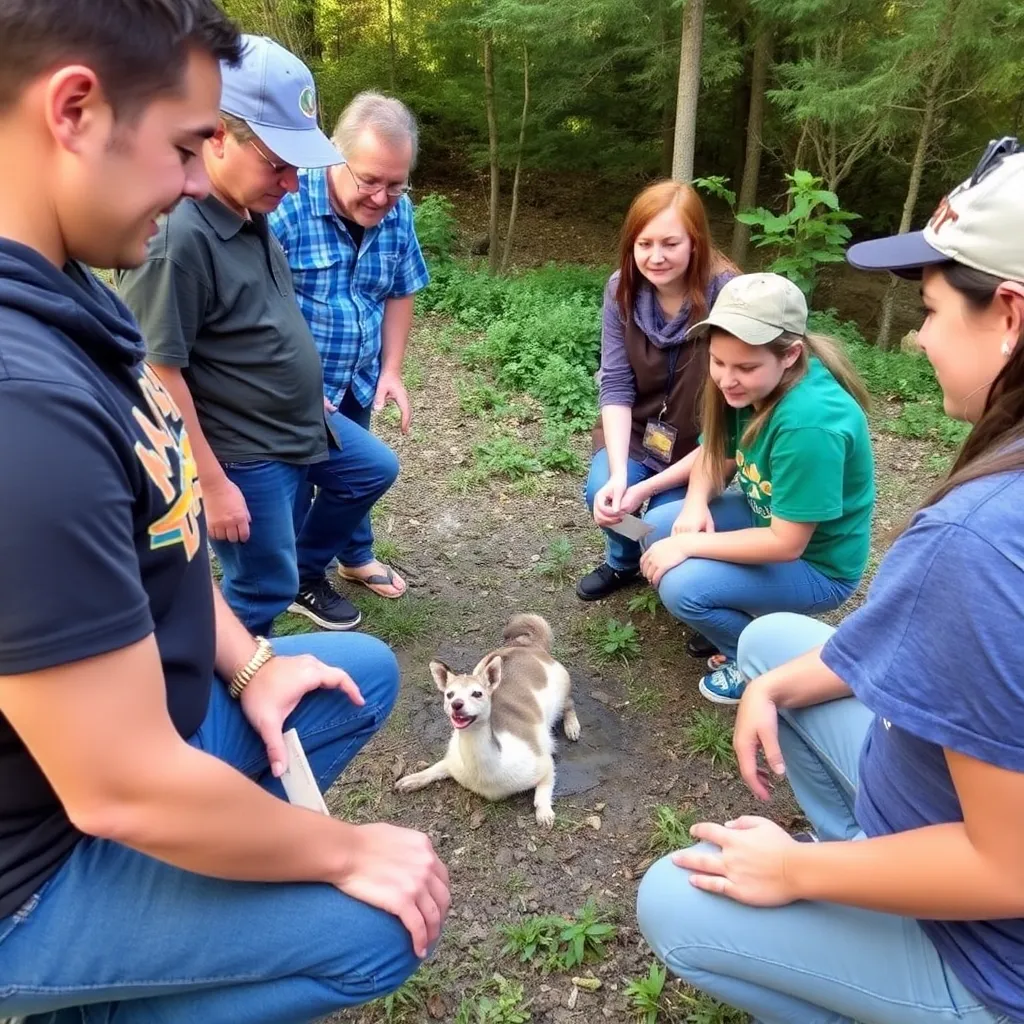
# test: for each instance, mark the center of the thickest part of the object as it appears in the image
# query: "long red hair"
(705, 260)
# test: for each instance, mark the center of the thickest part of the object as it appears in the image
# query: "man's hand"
(750, 865)
(275, 691)
(397, 870)
(608, 501)
(391, 388)
(663, 555)
(227, 516)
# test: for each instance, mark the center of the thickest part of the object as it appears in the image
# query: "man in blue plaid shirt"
(349, 238)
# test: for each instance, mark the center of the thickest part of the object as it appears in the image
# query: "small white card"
(299, 783)
(632, 527)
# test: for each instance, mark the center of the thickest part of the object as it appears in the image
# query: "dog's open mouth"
(461, 721)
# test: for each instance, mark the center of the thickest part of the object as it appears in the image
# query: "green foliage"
(716, 185)
(395, 622)
(498, 1002)
(811, 232)
(506, 457)
(645, 994)
(478, 396)
(709, 733)
(436, 226)
(408, 1004)
(387, 549)
(671, 830)
(553, 943)
(613, 640)
(926, 420)
(703, 1009)
(558, 563)
(645, 601)
(557, 453)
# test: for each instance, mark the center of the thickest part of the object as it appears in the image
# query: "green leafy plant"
(613, 640)
(478, 396)
(396, 622)
(553, 943)
(811, 232)
(408, 1004)
(715, 185)
(556, 453)
(645, 601)
(700, 1008)
(927, 420)
(557, 563)
(435, 226)
(499, 1002)
(709, 733)
(585, 936)
(671, 829)
(644, 994)
(505, 457)
(387, 549)
(532, 937)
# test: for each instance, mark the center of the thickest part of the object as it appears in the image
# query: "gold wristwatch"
(242, 678)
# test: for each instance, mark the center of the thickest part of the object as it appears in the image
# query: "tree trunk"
(310, 46)
(931, 106)
(755, 124)
(519, 161)
(392, 54)
(688, 91)
(492, 141)
(668, 110)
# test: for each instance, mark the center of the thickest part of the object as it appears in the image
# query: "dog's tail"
(529, 631)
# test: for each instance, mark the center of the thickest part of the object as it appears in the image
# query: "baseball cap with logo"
(979, 224)
(756, 308)
(272, 91)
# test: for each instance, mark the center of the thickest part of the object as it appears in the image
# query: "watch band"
(242, 678)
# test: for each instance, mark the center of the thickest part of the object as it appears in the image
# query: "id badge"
(659, 440)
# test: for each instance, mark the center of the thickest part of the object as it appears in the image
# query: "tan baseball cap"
(979, 224)
(756, 308)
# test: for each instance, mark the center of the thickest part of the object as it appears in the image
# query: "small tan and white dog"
(502, 714)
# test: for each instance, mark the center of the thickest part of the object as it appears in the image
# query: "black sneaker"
(319, 601)
(605, 580)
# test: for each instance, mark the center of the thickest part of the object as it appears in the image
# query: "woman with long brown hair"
(783, 414)
(900, 730)
(669, 275)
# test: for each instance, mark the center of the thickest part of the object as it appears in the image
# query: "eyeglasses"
(278, 169)
(993, 156)
(367, 189)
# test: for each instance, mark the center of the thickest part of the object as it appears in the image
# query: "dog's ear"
(492, 673)
(440, 671)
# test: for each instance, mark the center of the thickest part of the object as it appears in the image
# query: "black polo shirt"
(215, 298)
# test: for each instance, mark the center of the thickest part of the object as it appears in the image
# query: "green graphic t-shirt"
(812, 463)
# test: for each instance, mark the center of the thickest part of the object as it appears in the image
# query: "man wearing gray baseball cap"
(224, 333)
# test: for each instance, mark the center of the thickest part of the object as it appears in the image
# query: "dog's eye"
(477, 693)
(450, 694)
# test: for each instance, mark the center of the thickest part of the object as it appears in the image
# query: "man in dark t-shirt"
(149, 864)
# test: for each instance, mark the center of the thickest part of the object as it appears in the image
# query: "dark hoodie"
(102, 538)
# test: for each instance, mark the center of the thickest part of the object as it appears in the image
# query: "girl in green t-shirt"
(783, 412)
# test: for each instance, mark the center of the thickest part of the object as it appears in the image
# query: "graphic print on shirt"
(166, 456)
(758, 492)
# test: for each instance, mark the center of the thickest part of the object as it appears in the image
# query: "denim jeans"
(293, 537)
(805, 963)
(720, 599)
(116, 937)
(620, 552)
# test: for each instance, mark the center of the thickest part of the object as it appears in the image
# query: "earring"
(1005, 350)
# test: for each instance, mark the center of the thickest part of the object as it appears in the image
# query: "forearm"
(677, 475)
(803, 682)
(931, 873)
(617, 422)
(235, 644)
(208, 466)
(700, 492)
(395, 333)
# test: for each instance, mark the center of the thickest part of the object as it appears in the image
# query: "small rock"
(503, 858)
(534, 558)
(594, 821)
(478, 817)
(602, 698)
(436, 1007)
(573, 999)
(600, 807)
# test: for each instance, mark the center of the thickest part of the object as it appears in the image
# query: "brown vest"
(650, 366)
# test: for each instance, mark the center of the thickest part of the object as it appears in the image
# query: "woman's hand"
(608, 501)
(693, 518)
(634, 497)
(663, 555)
(749, 865)
(757, 729)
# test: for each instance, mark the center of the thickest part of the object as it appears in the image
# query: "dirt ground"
(473, 559)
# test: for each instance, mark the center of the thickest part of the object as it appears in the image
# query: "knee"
(387, 468)
(682, 592)
(757, 649)
(379, 675)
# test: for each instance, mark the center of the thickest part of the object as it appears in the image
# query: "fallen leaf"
(478, 817)
(436, 1007)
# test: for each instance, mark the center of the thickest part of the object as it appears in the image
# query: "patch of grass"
(710, 733)
(391, 415)
(498, 1002)
(396, 621)
(462, 481)
(387, 549)
(412, 373)
(646, 601)
(927, 420)
(557, 563)
(292, 625)
(408, 1004)
(515, 883)
(938, 463)
(700, 1008)
(645, 994)
(557, 453)
(529, 486)
(555, 943)
(478, 396)
(357, 798)
(671, 830)
(645, 700)
(505, 457)
(612, 640)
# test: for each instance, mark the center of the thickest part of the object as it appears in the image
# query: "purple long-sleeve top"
(615, 378)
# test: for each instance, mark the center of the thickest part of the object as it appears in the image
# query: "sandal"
(716, 661)
(377, 580)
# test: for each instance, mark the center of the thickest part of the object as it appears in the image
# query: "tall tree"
(492, 145)
(514, 210)
(688, 92)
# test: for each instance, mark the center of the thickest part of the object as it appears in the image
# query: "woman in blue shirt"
(901, 730)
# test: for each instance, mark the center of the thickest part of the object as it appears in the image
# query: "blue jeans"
(805, 963)
(293, 537)
(720, 599)
(116, 937)
(620, 552)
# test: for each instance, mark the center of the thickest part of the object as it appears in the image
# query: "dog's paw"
(571, 725)
(545, 817)
(410, 783)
